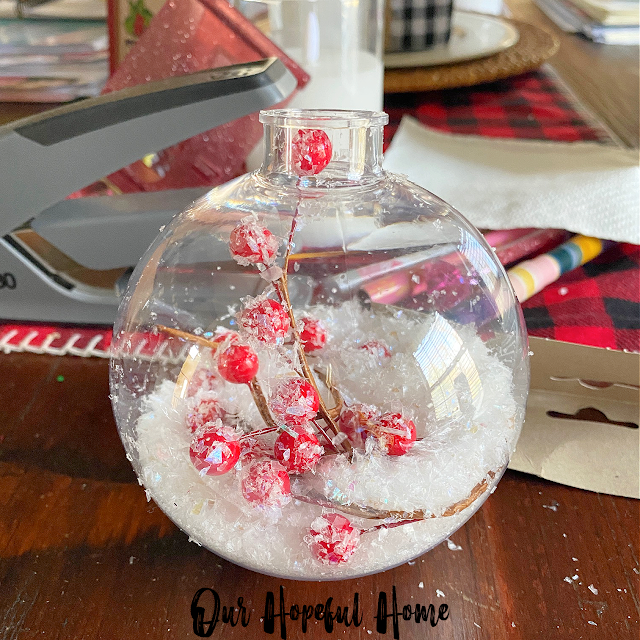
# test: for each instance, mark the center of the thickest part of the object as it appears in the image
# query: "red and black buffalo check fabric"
(535, 106)
(597, 304)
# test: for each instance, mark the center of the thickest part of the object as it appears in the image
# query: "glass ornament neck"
(355, 137)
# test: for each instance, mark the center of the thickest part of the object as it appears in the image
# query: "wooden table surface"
(84, 556)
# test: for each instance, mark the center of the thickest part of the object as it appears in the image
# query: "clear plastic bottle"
(319, 369)
(337, 42)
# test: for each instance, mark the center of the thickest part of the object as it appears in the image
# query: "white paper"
(584, 187)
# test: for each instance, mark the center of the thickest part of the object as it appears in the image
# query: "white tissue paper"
(497, 183)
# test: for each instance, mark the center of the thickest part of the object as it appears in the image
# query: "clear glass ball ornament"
(319, 369)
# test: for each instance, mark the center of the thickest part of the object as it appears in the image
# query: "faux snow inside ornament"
(320, 369)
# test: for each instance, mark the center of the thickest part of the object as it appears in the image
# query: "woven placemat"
(532, 49)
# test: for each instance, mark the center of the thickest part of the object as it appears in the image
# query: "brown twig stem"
(261, 403)
(404, 517)
(283, 293)
(191, 337)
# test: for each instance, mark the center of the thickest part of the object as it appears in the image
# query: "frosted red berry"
(266, 484)
(207, 410)
(355, 420)
(202, 380)
(300, 453)
(238, 363)
(332, 539)
(250, 243)
(215, 451)
(313, 335)
(311, 151)
(377, 348)
(225, 336)
(294, 402)
(395, 433)
(252, 449)
(266, 320)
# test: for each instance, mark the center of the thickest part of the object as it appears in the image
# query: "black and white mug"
(415, 25)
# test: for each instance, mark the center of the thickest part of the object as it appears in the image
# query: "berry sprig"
(251, 243)
(295, 402)
(311, 151)
(394, 433)
(265, 320)
(283, 292)
(332, 539)
(205, 411)
(215, 449)
(312, 334)
(300, 452)
(265, 483)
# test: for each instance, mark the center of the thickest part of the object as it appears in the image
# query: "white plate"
(472, 36)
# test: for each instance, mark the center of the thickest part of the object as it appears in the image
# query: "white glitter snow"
(466, 431)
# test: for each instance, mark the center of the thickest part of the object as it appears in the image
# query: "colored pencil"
(534, 242)
(531, 276)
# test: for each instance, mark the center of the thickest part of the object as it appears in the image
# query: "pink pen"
(389, 289)
(537, 241)
(502, 237)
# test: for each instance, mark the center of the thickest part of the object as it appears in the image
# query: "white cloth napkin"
(496, 183)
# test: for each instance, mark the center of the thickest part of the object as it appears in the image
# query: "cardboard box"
(581, 426)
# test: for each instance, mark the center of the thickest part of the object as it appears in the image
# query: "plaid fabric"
(598, 304)
(534, 106)
(415, 25)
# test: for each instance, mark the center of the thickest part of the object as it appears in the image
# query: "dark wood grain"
(84, 555)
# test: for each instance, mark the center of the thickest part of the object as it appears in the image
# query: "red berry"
(395, 433)
(265, 320)
(220, 337)
(311, 151)
(298, 454)
(207, 410)
(332, 539)
(295, 402)
(377, 348)
(202, 380)
(252, 449)
(355, 421)
(266, 484)
(215, 452)
(250, 243)
(238, 363)
(312, 334)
